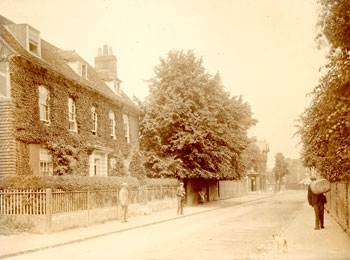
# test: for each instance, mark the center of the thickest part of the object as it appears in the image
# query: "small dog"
(281, 242)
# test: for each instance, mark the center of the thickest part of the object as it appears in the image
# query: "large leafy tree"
(325, 125)
(280, 170)
(192, 128)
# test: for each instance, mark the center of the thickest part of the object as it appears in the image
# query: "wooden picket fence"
(30, 202)
(22, 202)
(338, 203)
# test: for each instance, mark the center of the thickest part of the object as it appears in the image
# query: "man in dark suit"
(317, 201)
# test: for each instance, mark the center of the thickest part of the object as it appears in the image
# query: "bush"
(77, 183)
(137, 168)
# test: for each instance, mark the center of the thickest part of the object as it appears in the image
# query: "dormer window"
(114, 86)
(79, 68)
(28, 37)
(75, 62)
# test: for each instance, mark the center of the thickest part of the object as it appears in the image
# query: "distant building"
(58, 114)
(257, 181)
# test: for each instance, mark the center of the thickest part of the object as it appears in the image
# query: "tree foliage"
(192, 128)
(280, 169)
(325, 125)
(137, 168)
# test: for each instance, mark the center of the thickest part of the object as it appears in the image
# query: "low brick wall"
(47, 211)
(64, 221)
(29, 223)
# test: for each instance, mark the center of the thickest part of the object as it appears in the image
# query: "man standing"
(317, 201)
(180, 194)
(123, 198)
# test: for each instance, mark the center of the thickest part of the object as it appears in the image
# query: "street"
(232, 232)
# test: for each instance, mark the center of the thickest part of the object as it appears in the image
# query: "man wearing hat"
(123, 198)
(180, 194)
(317, 201)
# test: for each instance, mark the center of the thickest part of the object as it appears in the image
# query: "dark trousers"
(319, 215)
(180, 206)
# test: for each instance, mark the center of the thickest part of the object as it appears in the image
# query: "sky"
(264, 50)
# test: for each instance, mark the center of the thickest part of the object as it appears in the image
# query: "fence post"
(146, 195)
(48, 211)
(161, 198)
(88, 201)
(139, 190)
(117, 202)
(346, 207)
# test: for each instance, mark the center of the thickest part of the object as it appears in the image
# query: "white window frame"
(44, 104)
(112, 125)
(94, 120)
(126, 128)
(45, 162)
(72, 115)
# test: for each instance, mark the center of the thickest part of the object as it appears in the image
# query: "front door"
(97, 166)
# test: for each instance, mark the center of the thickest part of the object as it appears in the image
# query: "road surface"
(228, 233)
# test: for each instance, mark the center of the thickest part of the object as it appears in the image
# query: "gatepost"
(48, 211)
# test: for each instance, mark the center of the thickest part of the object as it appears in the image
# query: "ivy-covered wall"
(70, 150)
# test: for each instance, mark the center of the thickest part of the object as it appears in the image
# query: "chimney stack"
(106, 67)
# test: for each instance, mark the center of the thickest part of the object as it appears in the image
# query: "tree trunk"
(280, 182)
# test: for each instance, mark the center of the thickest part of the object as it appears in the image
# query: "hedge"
(77, 183)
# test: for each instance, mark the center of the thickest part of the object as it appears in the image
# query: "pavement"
(330, 243)
(303, 241)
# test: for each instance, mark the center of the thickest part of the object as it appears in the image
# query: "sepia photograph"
(173, 129)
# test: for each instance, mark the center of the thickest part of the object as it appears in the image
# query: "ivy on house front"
(70, 149)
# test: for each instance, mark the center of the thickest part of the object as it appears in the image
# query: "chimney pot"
(99, 52)
(110, 51)
(105, 50)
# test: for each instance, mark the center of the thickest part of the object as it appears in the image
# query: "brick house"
(58, 114)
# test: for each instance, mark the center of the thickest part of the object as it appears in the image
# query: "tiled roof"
(56, 59)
